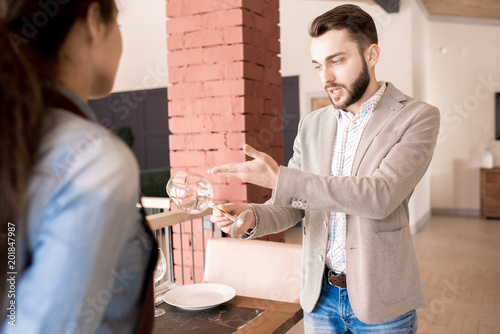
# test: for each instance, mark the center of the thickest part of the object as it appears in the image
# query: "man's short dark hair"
(358, 23)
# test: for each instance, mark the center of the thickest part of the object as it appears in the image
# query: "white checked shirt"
(349, 130)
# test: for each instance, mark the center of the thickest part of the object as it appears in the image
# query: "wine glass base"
(240, 226)
(159, 312)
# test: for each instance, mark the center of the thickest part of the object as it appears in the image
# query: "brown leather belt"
(338, 280)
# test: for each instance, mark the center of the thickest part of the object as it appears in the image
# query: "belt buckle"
(332, 273)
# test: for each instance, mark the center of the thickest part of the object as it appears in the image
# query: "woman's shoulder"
(79, 158)
(73, 142)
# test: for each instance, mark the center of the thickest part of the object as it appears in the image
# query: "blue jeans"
(333, 314)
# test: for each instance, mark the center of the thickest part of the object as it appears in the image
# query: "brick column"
(225, 89)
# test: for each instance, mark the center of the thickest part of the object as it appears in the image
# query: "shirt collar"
(84, 107)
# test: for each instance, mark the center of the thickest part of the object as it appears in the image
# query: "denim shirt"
(88, 248)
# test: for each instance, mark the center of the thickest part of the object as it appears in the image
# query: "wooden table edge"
(278, 317)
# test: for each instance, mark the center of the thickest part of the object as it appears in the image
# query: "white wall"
(420, 202)
(143, 64)
(464, 54)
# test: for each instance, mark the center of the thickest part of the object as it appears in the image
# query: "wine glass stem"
(227, 215)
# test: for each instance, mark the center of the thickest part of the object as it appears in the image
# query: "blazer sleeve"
(273, 219)
(372, 196)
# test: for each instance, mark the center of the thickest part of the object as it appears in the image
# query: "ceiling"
(486, 9)
(489, 9)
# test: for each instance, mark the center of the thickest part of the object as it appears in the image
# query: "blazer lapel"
(388, 105)
(326, 141)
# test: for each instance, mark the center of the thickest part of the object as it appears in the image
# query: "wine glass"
(193, 194)
(158, 273)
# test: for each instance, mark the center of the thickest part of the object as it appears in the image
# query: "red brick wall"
(225, 90)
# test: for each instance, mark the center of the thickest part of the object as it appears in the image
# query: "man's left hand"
(262, 171)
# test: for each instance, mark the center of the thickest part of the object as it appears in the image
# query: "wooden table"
(239, 315)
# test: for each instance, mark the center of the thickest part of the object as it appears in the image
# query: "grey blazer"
(393, 154)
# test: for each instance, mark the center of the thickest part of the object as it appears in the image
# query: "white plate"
(199, 296)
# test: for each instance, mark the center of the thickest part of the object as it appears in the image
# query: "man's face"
(343, 71)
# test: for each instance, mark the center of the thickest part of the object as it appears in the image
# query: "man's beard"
(356, 91)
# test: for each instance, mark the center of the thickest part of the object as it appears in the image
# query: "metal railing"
(163, 221)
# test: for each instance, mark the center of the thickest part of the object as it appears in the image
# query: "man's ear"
(95, 25)
(372, 54)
